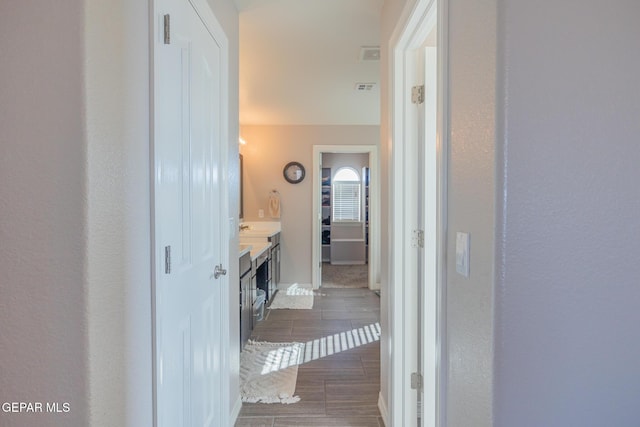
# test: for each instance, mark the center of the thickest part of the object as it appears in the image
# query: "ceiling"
(300, 62)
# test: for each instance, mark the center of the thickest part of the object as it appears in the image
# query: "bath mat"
(298, 297)
(268, 372)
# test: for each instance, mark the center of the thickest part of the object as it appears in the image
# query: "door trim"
(374, 209)
(409, 35)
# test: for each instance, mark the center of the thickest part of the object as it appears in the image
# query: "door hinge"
(167, 29)
(417, 239)
(167, 259)
(416, 381)
(417, 94)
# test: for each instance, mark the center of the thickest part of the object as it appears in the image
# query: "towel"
(274, 204)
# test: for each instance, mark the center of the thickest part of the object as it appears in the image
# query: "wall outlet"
(462, 253)
(260, 213)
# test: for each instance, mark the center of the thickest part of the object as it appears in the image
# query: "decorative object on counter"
(274, 204)
(293, 172)
(269, 372)
(296, 297)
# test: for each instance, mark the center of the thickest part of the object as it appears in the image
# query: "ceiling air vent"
(365, 87)
(370, 53)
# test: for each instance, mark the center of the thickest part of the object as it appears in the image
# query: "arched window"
(346, 195)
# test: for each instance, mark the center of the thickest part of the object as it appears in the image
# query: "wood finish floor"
(340, 389)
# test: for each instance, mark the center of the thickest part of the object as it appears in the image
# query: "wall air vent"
(370, 53)
(365, 87)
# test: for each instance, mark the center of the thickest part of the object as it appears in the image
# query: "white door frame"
(410, 34)
(217, 32)
(374, 211)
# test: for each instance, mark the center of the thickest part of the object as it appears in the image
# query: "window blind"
(346, 201)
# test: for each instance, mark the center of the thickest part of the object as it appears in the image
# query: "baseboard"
(382, 406)
(235, 412)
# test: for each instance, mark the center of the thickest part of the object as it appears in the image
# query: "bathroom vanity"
(259, 254)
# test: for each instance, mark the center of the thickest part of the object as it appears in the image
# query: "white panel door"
(188, 219)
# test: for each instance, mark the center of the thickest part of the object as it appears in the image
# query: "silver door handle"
(219, 271)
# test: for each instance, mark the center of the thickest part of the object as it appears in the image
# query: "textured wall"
(471, 199)
(567, 299)
(118, 249)
(43, 319)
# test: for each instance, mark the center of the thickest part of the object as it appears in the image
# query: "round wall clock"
(293, 172)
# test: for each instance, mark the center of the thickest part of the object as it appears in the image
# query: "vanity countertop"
(243, 249)
(255, 248)
(260, 229)
(259, 233)
(258, 249)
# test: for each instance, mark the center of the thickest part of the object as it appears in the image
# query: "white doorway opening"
(419, 123)
(374, 209)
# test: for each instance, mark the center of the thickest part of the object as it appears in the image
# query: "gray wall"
(118, 283)
(43, 227)
(568, 287)
(471, 201)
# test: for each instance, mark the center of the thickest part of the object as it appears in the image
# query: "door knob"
(219, 271)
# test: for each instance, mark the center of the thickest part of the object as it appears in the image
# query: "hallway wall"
(43, 230)
(568, 288)
(471, 208)
(268, 149)
(118, 270)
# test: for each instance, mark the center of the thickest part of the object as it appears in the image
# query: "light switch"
(462, 253)
(260, 213)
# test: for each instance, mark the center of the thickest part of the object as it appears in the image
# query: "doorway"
(418, 201)
(359, 237)
(345, 220)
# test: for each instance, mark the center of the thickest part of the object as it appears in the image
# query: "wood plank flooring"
(340, 389)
